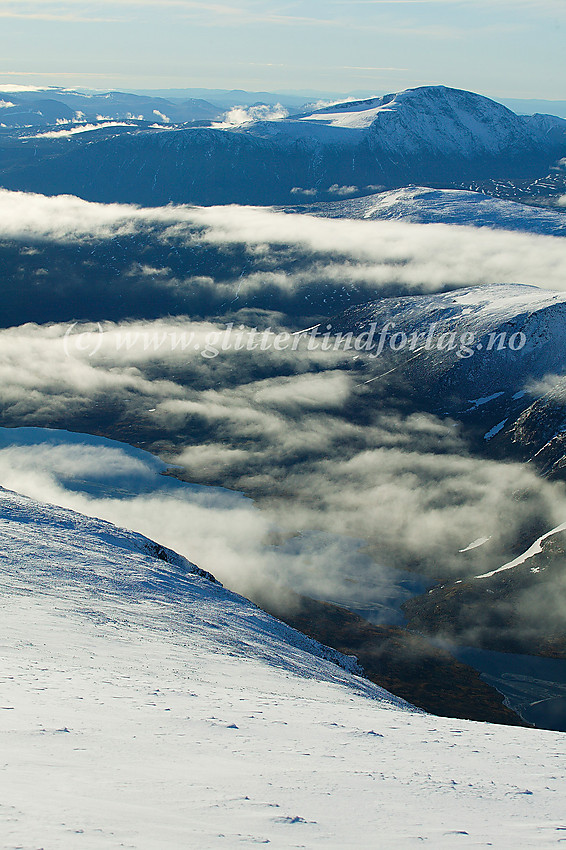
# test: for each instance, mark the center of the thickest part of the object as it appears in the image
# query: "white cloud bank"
(247, 114)
(378, 253)
(217, 529)
(403, 483)
(73, 131)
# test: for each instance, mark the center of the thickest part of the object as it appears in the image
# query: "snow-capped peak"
(437, 118)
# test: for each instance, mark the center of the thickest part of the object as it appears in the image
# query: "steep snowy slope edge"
(47, 549)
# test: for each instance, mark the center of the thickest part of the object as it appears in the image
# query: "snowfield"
(421, 205)
(144, 706)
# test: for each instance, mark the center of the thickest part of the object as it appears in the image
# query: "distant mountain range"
(60, 106)
(431, 135)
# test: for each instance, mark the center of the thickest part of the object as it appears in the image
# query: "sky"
(501, 48)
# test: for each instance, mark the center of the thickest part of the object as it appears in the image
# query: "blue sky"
(502, 48)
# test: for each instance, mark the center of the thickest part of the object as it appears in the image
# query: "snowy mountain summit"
(443, 120)
(145, 706)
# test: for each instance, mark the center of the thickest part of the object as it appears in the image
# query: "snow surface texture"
(445, 206)
(144, 706)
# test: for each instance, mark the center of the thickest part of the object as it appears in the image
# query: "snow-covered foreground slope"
(144, 706)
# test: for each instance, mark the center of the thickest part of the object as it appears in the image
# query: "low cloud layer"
(368, 255)
(297, 431)
(218, 529)
(81, 128)
(329, 460)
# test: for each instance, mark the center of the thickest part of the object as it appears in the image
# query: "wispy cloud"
(539, 5)
(336, 14)
(207, 14)
(369, 68)
(239, 115)
(82, 13)
(62, 18)
(15, 87)
(82, 128)
(62, 12)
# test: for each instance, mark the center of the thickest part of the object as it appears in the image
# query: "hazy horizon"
(502, 49)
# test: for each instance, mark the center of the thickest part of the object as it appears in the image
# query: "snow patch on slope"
(358, 115)
(535, 549)
(475, 544)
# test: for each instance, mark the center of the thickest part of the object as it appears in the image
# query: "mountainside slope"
(444, 206)
(517, 608)
(144, 705)
(540, 431)
(506, 379)
(512, 406)
(471, 345)
(492, 356)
